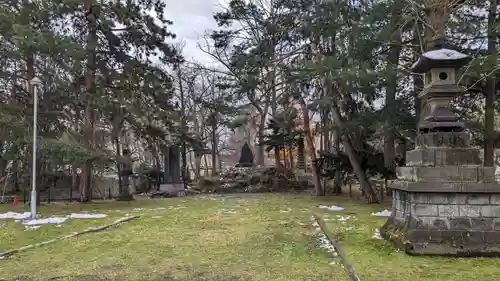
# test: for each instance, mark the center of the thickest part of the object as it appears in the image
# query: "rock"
(254, 180)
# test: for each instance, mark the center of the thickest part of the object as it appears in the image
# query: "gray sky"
(191, 20)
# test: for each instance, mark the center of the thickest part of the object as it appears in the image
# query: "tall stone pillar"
(444, 201)
(175, 164)
(172, 165)
(167, 178)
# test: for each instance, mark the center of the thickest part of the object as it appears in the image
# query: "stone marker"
(246, 157)
(444, 201)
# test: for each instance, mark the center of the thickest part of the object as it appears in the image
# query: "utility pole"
(32, 82)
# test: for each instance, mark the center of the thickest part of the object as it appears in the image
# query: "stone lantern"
(444, 201)
(440, 69)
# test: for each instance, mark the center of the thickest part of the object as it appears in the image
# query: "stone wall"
(440, 215)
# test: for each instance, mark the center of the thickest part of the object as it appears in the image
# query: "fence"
(102, 189)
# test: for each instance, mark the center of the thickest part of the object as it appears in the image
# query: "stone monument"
(172, 181)
(246, 157)
(444, 201)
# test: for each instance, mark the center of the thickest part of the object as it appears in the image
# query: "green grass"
(377, 260)
(256, 238)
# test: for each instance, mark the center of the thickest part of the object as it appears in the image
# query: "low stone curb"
(9, 253)
(350, 269)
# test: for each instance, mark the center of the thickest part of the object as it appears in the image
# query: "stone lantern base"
(445, 202)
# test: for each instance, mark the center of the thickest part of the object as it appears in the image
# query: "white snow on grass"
(332, 208)
(325, 244)
(35, 224)
(376, 235)
(52, 220)
(27, 227)
(87, 216)
(343, 219)
(15, 216)
(384, 213)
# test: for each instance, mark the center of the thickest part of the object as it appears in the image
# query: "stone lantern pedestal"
(444, 201)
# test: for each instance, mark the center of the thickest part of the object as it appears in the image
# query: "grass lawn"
(256, 238)
(376, 260)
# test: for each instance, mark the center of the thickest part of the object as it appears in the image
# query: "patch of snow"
(325, 244)
(15, 216)
(384, 213)
(161, 208)
(32, 226)
(59, 220)
(444, 54)
(343, 218)
(286, 211)
(332, 208)
(87, 216)
(53, 220)
(138, 209)
(376, 235)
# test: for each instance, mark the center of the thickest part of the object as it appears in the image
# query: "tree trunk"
(184, 130)
(214, 147)
(261, 148)
(92, 15)
(489, 114)
(118, 165)
(390, 95)
(325, 133)
(312, 150)
(337, 182)
(277, 157)
(366, 186)
(346, 141)
(197, 164)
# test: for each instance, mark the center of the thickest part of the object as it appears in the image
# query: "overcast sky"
(191, 20)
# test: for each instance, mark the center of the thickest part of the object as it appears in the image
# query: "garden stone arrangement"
(444, 201)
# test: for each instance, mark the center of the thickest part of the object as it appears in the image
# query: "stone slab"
(446, 187)
(446, 198)
(437, 236)
(443, 139)
(443, 156)
(448, 173)
(171, 187)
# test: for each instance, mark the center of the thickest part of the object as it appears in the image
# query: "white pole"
(33, 176)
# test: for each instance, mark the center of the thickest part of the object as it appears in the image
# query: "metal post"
(33, 175)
